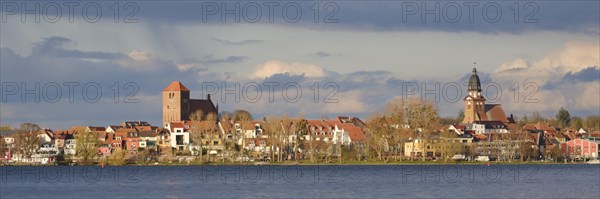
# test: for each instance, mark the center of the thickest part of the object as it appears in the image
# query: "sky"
(100, 63)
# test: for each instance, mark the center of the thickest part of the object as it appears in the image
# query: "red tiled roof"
(148, 133)
(97, 128)
(355, 133)
(179, 125)
(145, 128)
(495, 112)
(595, 134)
(176, 86)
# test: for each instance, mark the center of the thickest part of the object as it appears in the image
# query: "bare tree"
(449, 145)
(422, 116)
(197, 131)
(378, 132)
(239, 115)
(26, 140)
(273, 127)
(243, 118)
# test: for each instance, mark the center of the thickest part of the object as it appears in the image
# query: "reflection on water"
(390, 181)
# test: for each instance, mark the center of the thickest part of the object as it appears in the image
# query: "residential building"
(70, 147)
(179, 135)
(581, 148)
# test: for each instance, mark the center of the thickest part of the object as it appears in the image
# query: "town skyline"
(228, 100)
(364, 57)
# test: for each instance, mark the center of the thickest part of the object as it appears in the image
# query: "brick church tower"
(176, 103)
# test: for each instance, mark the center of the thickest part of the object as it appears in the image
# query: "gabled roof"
(97, 128)
(176, 86)
(146, 128)
(204, 105)
(495, 112)
(355, 133)
(174, 125)
(125, 132)
(148, 134)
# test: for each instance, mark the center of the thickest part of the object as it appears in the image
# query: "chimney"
(208, 96)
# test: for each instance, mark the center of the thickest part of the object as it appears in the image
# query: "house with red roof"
(179, 135)
(340, 130)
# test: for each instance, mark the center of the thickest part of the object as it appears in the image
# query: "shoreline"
(312, 164)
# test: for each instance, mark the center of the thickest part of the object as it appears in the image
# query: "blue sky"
(368, 50)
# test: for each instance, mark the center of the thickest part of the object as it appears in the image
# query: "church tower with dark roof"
(474, 102)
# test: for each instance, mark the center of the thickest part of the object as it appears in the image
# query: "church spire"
(474, 83)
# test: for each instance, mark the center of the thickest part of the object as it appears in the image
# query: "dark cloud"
(569, 16)
(589, 74)
(454, 16)
(320, 54)
(57, 47)
(230, 59)
(371, 73)
(52, 64)
(237, 43)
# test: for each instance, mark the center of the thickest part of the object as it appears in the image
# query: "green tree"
(536, 117)
(239, 115)
(524, 120)
(576, 123)
(460, 116)
(563, 117)
(117, 157)
(87, 146)
(5, 128)
(592, 122)
(2, 146)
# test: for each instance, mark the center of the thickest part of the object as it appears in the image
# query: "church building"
(476, 110)
(177, 105)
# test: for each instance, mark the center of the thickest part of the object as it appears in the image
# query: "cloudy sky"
(320, 58)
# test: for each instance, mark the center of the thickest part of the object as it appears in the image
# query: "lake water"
(389, 181)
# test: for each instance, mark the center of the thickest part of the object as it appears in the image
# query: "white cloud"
(551, 69)
(574, 57)
(140, 61)
(347, 102)
(188, 66)
(272, 67)
(590, 96)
